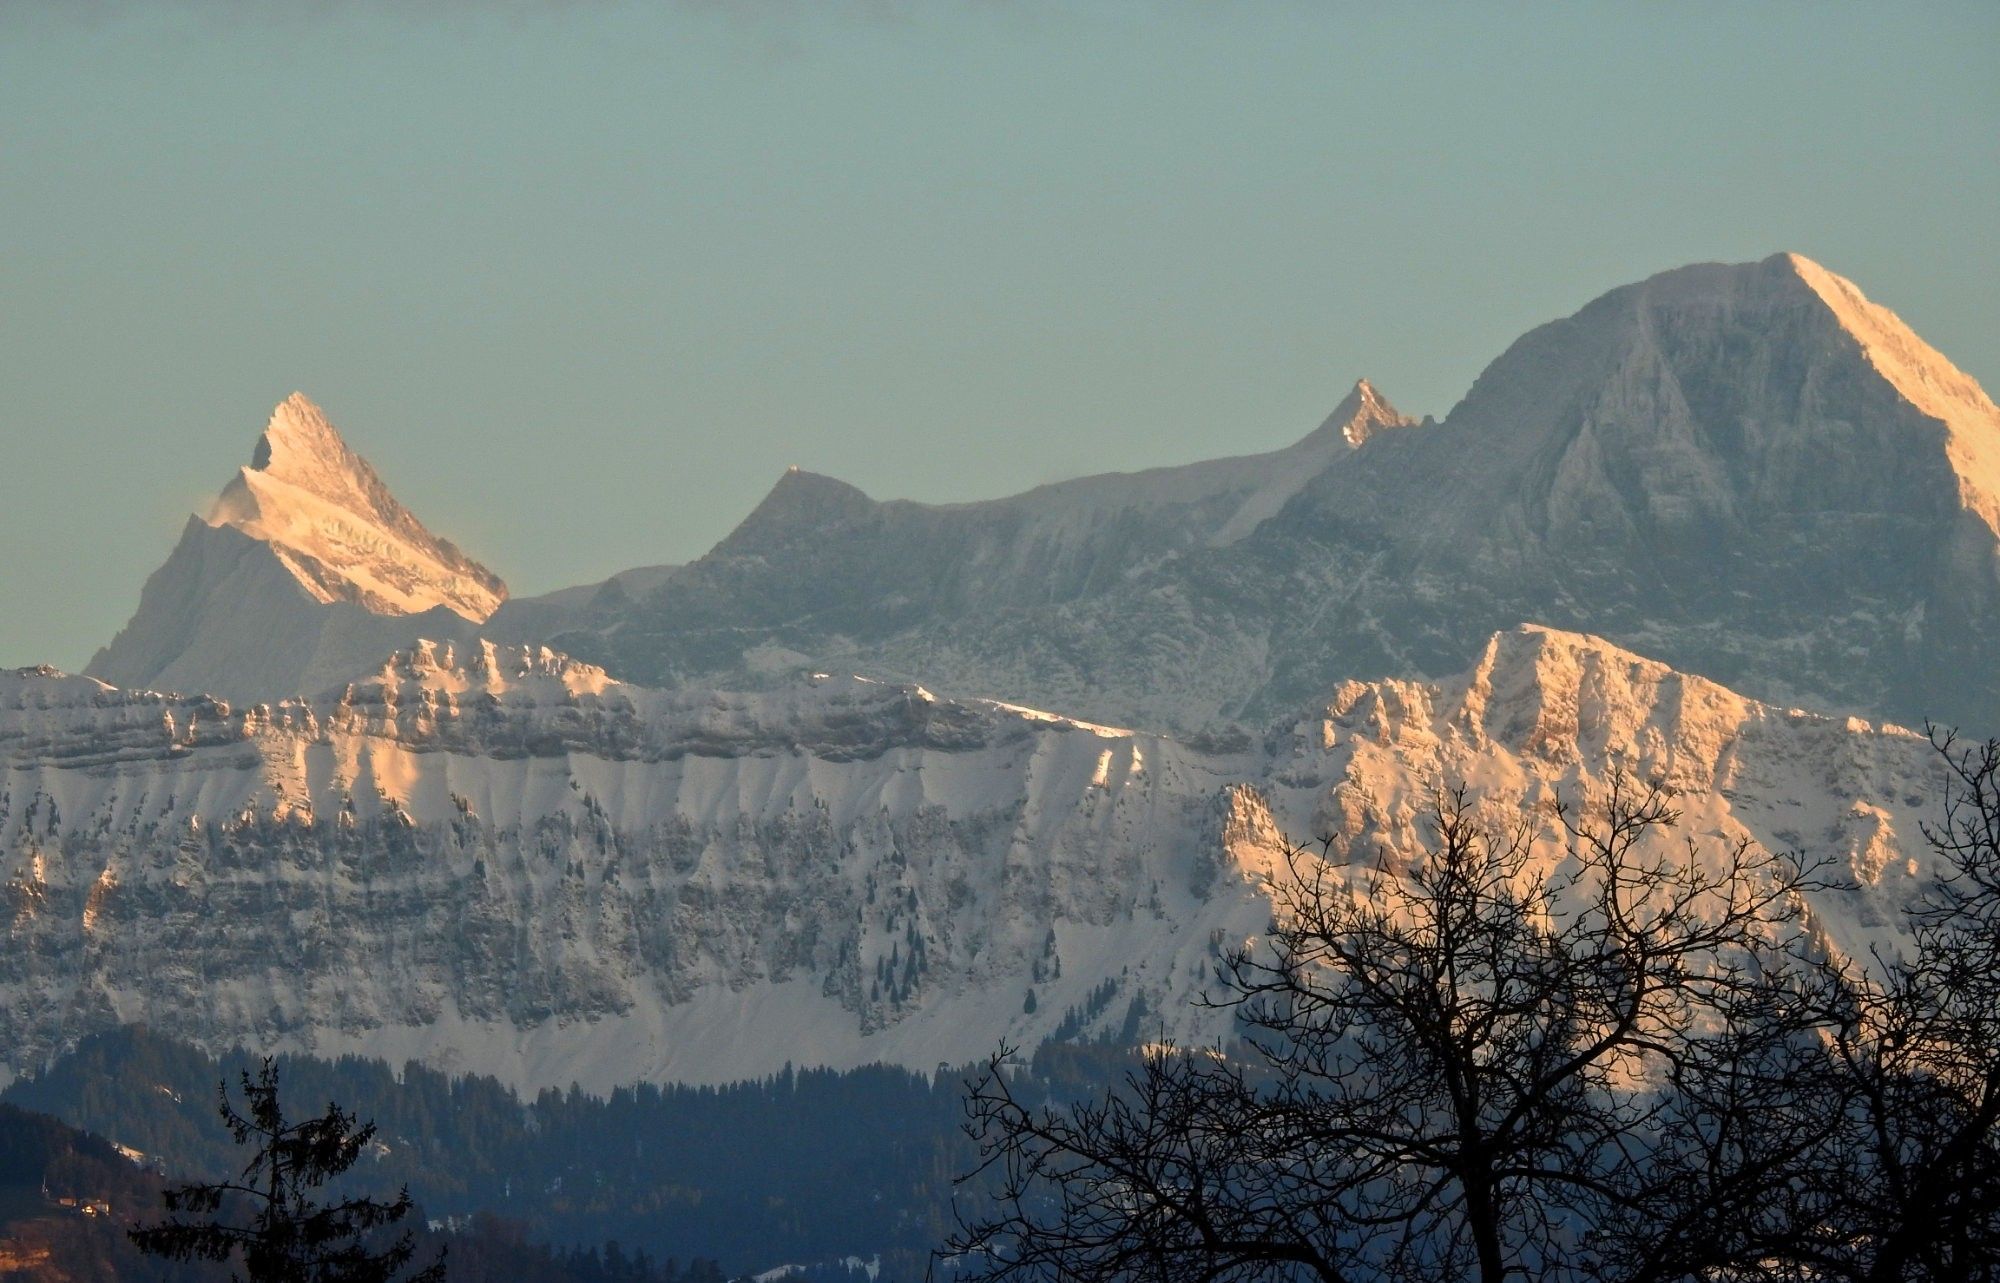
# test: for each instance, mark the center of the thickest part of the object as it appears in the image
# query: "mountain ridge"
(500, 859)
(1668, 467)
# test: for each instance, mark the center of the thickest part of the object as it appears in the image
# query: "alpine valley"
(892, 782)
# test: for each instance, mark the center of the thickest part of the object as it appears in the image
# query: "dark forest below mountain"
(805, 1168)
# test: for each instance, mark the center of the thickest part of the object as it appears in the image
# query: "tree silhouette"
(1444, 1073)
(287, 1234)
(1919, 1054)
(1639, 1064)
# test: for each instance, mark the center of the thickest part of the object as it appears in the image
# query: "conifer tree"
(271, 1217)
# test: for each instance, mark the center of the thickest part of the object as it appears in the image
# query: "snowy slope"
(305, 571)
(499, 859)
(1926, 379)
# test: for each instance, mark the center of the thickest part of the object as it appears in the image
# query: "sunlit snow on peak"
(335, 526)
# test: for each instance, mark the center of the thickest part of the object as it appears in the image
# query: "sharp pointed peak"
(307, 494)
(1364, 396)
(300, 405)
(1363, 412)
(299, 438)
(300, 448)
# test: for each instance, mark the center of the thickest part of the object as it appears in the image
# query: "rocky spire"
(1361, 414)
(339, 530)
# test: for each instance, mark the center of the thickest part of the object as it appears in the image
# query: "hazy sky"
(583, 279)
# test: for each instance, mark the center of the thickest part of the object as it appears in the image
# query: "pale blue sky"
(582, 279)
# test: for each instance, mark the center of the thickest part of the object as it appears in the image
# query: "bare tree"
(1919, 1055)
(1473, 1067)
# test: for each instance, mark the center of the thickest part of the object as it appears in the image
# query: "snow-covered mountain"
(305, 571)
(486, 854)
(1748, 470)
(500, 859)
(1008, 597)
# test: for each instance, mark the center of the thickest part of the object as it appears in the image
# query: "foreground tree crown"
(1635, 1063)
(271, 1217)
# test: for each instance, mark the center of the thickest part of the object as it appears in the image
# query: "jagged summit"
(804, 500)
(1361, 414)
(556, 886)
(1747, 470)
(486, 667)
(298, 443)
(338, 529)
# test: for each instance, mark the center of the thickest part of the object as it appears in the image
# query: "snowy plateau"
(797, 801)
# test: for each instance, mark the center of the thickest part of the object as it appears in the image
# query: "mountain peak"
(1361, 414)
(334, 524)
(816, 494)
(800, 504)
(299, 442)
(1924, 375)
(301, 447)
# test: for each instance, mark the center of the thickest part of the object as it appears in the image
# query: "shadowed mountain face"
(1746, 470)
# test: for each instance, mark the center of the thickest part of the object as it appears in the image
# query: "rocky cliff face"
(500, 859)
(1747, 470)
(305, 572)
